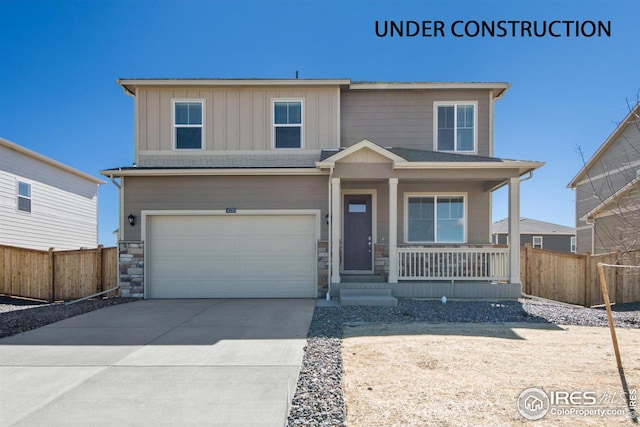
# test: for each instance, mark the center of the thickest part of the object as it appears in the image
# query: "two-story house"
(607, 192)
(288, 188)
(45, 204)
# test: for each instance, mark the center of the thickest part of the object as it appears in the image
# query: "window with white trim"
(287, 123)
(24, 196)
(435, 219)
(573, 244)
(455, 127)
(537, 242)
(188, 125)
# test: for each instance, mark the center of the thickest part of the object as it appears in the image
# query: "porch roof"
(409, 158)
(414, 155)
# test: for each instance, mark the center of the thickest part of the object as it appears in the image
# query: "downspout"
(118, 186)
(528, 177)
(329, 263)
(113, 180)
(95, 295)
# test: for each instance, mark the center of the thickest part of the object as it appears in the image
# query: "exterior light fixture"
(132, 220)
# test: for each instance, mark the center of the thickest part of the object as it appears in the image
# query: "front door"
(357, 244)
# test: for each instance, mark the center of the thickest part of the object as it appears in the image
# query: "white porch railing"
(416, 263)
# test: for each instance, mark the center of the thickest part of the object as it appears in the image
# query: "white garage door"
(231, 256)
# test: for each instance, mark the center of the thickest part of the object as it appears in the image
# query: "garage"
(238, 255)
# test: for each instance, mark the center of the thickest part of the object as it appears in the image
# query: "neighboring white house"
(45, 204)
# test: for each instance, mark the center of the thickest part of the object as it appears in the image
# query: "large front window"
(188, 127)
(435, 219)
(287, 124)
(455, 127)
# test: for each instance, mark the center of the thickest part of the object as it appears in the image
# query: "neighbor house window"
(287, 124)
(455, 128)
(435, 219)
(188, 124)
(573, 244)
(24, 196)
(537, 242)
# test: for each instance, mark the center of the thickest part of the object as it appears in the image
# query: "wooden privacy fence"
(574, 278)
(57, 275)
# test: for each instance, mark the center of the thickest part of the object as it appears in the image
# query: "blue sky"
(60, 59)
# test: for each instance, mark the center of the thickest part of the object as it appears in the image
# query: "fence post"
(527, 268)
(99, 282)
(588, 278)
(52, 273)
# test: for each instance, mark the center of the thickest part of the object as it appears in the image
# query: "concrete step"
(372, 300)
(361, 278)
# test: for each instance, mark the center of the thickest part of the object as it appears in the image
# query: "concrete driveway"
(158, 362)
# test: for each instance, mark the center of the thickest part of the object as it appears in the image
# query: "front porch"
(422, 225)
(433, 272)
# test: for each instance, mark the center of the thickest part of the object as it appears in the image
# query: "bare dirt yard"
(471, 374)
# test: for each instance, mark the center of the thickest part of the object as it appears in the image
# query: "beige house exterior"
(294, 188)
(607, 192)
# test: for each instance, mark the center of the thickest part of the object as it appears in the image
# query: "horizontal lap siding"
(221, 192)
(63, 206)
(404, 118)
(618, 166)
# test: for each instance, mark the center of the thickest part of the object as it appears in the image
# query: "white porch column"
(393, 230)
(514, 230)
(336, 220)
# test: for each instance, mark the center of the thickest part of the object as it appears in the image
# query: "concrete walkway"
(158, 362)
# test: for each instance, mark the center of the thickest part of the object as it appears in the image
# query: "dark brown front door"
(357, 243)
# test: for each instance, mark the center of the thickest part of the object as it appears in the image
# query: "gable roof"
(633, 116)
(24, 151)
(532, 226)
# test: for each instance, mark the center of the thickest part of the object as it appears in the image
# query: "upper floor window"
(537, 242)
(433, 219)
(188, 124)
(287, 124)
(456, 127)
(24, 196)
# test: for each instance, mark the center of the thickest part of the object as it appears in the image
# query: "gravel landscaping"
(319, 396)
(20, 315)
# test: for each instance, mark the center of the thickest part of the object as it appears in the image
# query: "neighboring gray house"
(607, 192)
(45, 204)
(539, 234)
(288, 188)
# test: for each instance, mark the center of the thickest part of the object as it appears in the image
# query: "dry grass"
(471, 374)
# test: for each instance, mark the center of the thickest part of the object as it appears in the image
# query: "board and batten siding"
(236, 119)
(221, 192)
(405, 118)
(63, 205)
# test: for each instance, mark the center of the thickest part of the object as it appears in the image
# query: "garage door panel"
(231, 256)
